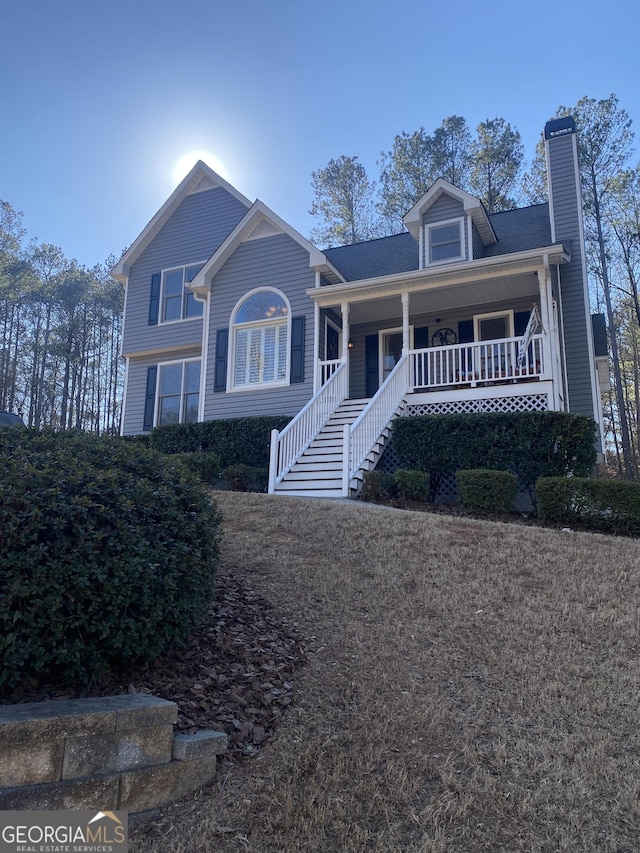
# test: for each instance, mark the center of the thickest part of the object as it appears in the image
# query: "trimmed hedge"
(412, 485)
(204, 465)
(245, 478)
(610, 506)
(406, 485)
(109, 555)
(486, 491)
(236, 441)
(378, 486)
(528, 444)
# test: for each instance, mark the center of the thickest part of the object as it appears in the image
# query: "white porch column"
(316, 347)
(550, 339)
(344, 310)
(405, 323)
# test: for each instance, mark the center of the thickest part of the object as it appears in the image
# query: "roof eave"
(463, 271)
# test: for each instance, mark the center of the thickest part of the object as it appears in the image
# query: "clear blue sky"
(100, 98)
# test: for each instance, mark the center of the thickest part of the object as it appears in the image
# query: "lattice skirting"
(525, 403)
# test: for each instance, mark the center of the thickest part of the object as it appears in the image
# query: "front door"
(391, 350)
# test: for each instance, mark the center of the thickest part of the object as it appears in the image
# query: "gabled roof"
(201, 177)
(260, 221)
(471, 205)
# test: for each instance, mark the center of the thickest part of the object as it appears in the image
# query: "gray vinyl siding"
(192, 234)
(566, 211)
(277, 262)
(137, 384)
(478, 245)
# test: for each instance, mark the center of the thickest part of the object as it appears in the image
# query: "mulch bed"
(235, 673)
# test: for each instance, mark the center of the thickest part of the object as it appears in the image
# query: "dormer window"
(444, 242)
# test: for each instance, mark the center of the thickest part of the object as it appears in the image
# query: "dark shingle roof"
(516, 230)
(519, 230)
(385, 256)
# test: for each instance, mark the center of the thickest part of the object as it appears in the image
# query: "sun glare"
(185, 163)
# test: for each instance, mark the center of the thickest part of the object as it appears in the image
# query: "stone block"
(55, 719)
(139, 710)
(200, 745)
(100, 793)
(156, 786)
(127, 750)
(30, 763)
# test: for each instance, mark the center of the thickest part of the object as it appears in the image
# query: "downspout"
(204, 352)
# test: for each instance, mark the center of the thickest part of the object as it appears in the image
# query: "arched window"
(260, 328)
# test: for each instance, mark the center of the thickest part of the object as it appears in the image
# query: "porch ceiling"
(438, 300)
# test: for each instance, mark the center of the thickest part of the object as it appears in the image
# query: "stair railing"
(288, 445)
(364, 432)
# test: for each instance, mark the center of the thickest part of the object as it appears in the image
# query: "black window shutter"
(297, 349)
(465, 332)
(222, 348)
(520, 321)
(150, 398)
(371, 365)
(154, 299)
(421, 337)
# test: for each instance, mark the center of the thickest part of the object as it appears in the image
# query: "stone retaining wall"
(117, 752)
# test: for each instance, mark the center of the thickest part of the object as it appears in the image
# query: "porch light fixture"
(349, 344)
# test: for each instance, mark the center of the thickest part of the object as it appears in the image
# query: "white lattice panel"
(525, 403)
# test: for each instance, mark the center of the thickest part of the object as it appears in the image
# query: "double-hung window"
(179, 303)
(261, 340)
(444, 242)
(178, 392)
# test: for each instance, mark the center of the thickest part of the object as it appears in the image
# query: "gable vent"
(205, 184)
(264, 228)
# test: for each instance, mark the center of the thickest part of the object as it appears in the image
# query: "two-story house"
(230, 312)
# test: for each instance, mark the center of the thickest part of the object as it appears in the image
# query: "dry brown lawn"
(471, 686)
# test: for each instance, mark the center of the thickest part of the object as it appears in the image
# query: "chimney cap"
(559, 127)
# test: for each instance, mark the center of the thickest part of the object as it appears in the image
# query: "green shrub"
(529, 444)
(610, 506)
(378, 487)
(204, 465)
(412, 485)
(245, 478)
(108, 557)
(236, 441)
(486, 491)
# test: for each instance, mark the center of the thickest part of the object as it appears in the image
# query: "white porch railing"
(326, 369)
(288, 445)
(469, 364)
(364, 432)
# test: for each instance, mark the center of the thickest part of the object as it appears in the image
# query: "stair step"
(320, 458)
(309, 485)
(312, 476)
(317, 467)
(302, 493)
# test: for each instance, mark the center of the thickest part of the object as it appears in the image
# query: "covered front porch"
(466, 331)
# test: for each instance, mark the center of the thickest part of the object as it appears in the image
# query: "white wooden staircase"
(325, 450)
(318, 472)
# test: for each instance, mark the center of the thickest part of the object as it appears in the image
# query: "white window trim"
(231, 364)
(427, 241)
(182, 361)
(477, 319)
(181, 319)
(336, 328)
(381, 334)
